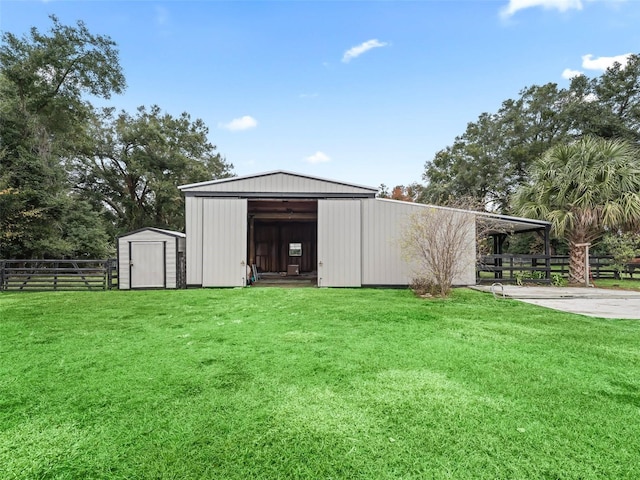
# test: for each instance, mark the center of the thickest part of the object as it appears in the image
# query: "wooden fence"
(25, 275)
(542, 268)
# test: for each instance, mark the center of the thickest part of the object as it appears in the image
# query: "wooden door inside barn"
(276, 224)
(272, 241)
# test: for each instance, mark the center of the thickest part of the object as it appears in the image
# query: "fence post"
(109, 276)
(2, 285)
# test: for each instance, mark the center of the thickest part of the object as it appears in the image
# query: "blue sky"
(364, 92)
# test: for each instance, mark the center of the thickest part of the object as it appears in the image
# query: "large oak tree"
(44, 78)
(137, 162)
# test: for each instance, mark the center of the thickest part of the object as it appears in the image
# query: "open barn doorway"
(283, 237)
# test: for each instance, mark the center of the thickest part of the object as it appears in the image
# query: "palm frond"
(586, 186)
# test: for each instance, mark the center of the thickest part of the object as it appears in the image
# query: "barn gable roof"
(278, 183)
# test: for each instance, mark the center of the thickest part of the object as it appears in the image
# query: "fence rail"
(24, 275)
(541, 268)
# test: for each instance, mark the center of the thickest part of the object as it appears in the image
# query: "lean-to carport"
(498, 228)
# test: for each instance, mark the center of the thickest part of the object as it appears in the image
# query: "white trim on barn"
(151, 258)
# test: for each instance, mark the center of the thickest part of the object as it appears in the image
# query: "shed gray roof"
(157, 230)
(278, 183)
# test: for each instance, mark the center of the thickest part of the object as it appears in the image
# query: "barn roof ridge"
(275, 172)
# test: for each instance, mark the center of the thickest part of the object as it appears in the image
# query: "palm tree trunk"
(576, 263)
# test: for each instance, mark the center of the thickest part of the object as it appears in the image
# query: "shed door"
(147, 264)
(339, 243)
(224, 242)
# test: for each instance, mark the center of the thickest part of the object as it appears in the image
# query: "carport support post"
(498, 242)
(547, 251)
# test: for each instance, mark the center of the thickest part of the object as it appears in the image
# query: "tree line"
(74, 176)
(495, 154)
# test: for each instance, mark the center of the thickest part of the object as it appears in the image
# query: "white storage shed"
(151, 258)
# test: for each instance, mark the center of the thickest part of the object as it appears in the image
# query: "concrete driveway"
(594, 302)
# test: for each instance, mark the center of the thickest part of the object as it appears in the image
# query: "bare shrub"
(437, 242)
(422, 286)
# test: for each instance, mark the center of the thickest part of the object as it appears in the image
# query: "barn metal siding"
(194, 227)
(278, 182)
(339, 243)
(467, 275)
(383, 224)
(145, 236)
(224, 242)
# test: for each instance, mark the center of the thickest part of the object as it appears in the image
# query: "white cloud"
(568, 74)
(162, 16)
(599, 63)
(317, 157)
(560, 5)
(602, 63)
(46, 74)
(238, 124)
(358, 50)
(591, 97)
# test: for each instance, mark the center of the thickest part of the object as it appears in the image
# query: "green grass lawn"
(625, 283)
(312, 383)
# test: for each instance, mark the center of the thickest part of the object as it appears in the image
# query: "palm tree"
(584, 188)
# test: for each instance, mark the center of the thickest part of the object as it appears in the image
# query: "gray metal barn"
(151, 258)
(335, 230)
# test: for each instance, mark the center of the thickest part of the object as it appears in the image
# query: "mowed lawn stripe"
(312, 383)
